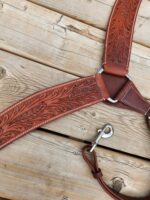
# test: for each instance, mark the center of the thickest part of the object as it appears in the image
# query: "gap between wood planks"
(4, 199)
(66, 44)
(87, 142)
(20, 81)
(41, 163)
(73, 11)
(43, 63)
(37, 61)
(65, 14)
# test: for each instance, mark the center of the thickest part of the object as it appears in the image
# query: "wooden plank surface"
(97, 12)
(21, 77)
(65, 44)
(44, 166)
(41, 47)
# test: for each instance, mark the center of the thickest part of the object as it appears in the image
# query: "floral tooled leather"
(47, 105)
(119, 36)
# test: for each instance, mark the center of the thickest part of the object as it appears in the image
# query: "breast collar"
(111, 84)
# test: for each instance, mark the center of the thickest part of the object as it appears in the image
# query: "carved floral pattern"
(46, 106)
(119, 34)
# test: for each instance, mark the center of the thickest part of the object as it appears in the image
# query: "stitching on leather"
(128, 103)
(137, 92)
(130, 34)
(44, 122)
(107, 35)
(127, 89)
(39, 92)
(101, 88)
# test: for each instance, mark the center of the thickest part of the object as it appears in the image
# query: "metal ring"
(128, 77)
(112, 100)
(100, 70)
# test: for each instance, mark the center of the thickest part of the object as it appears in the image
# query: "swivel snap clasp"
(106, 132)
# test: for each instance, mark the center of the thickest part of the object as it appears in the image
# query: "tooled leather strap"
(49, 104)
(97, 173)
(119, 36)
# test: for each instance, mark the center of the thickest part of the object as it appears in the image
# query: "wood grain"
(65, 44)
(44, 166)
(21, 77)
(97, 12)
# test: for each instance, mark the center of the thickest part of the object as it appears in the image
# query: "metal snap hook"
(105, 132)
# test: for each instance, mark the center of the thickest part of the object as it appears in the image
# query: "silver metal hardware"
(112, 100)
(100, 71)
(105, 132)
(128, 77)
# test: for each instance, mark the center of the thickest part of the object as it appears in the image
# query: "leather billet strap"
(92, 162)
(48, 105)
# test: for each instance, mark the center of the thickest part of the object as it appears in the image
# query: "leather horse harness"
(111, 84)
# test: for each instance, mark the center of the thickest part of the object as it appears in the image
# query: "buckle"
(100, 71)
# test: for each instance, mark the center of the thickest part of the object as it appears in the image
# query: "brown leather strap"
(125, 92)
(121, 89)
(131, 97)
(48, 105)
(119, 36)
(117, 56)
(97, 173)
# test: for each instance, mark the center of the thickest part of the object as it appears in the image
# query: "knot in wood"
(117, 184)
(2, 72)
